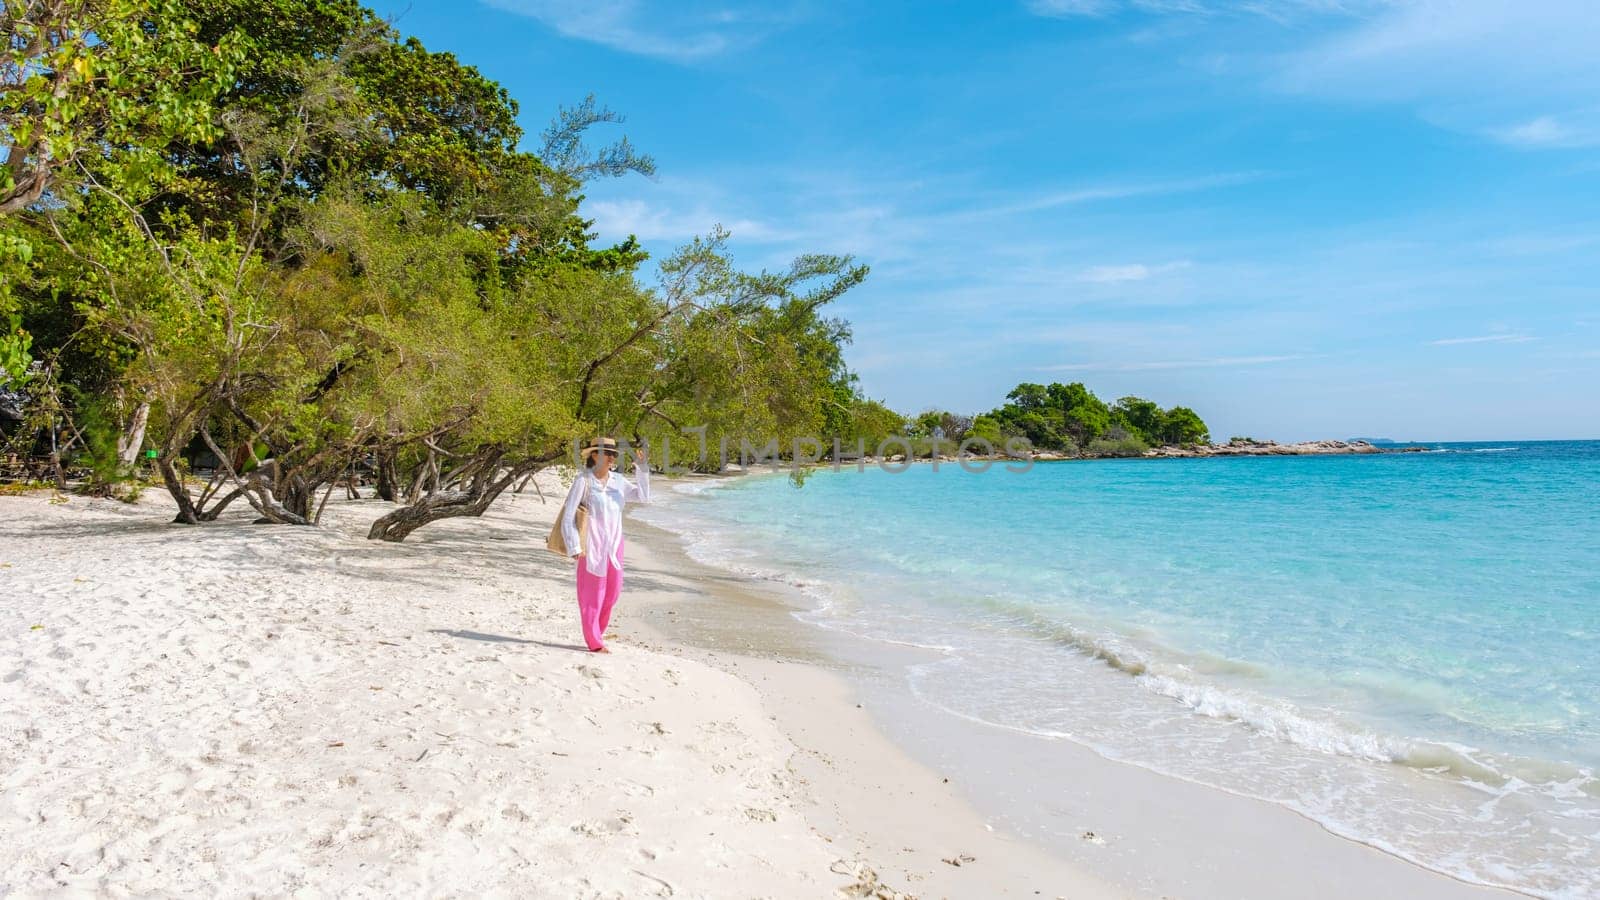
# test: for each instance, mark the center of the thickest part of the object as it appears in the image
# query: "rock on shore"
(1250, 447)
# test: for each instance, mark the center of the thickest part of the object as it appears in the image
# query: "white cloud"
(1524, 74)
(1536, 243)
(681, 31)
(1123, 191)
(1468, 65)
(1547, 131)
(1484, 339)
(883, 220)
(615, 219)
(1061, 9)
(1114, 274)
(1543, 130)
(1280, 10)
(1133, 272)
(1455, 45)
(1215, 362)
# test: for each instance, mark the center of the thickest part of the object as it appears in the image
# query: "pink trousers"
(597, 594)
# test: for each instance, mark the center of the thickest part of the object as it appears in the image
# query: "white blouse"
(605, 500)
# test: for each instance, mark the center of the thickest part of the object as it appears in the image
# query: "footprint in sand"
(636, 789)
(621, 823)
(663, 888)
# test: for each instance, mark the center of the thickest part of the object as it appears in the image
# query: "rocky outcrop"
(1251, 447)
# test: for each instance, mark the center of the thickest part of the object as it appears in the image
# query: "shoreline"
(1136, 829)
(261, 709)
(1250, 448)
(910, 819)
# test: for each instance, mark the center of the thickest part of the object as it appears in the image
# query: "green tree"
(1032, 414)
(987, 427)
(871, 424)
(91, 85)
(1182, 425)
(1068, 417)
(1143, 419)
(334, 254)
(1084, 416)
(96, 78)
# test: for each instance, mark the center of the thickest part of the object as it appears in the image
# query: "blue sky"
(1303, 218)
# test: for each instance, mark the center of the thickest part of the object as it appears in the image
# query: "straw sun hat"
(599, 444)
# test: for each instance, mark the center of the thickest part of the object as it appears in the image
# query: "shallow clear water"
(1405, 647)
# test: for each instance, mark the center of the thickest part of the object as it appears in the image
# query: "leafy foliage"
(1071, 419)
(279, 242)
(102, 78)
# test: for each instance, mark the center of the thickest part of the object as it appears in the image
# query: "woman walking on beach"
(603, 492)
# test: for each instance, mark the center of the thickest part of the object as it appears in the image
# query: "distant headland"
(1067, 421)
(1252, 447)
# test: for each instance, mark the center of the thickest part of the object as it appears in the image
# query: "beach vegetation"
(1182, 425)
(26, 486)
(1117, 444)
(286, 249)
(940, 423)
(987, 427)
(869, 424)
(271, 250)
(1070, 419)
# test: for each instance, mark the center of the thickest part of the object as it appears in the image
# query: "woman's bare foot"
(603, 650)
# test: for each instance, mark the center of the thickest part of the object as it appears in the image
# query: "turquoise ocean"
(1404, 647)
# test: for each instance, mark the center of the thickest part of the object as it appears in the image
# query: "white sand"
(235, 710)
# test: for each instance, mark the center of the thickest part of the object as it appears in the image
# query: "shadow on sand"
(504, 639)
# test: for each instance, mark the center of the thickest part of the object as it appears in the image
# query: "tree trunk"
(387, 489)
(55, 457)
(133, 437)
(397, 525)
(187, 514)
(299, 495)
(211, 514)
(27, 189)
(272, 511)
(258, 489)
